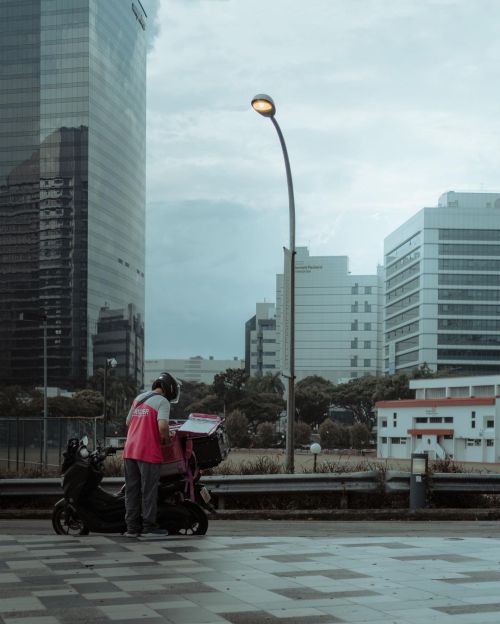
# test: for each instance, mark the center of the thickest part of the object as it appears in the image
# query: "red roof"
(437, 402)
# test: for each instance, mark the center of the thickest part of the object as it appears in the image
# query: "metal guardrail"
(368, 482)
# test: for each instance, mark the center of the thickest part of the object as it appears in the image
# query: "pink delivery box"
(208, 437)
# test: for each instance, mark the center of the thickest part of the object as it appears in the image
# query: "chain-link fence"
(22, 440)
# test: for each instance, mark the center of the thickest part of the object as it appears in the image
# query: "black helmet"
(171, 388)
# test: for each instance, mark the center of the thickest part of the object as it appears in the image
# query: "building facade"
(450, 418)
(72, 180)
(338, 319)
(442, 287)
(194, 369)
(260, 341)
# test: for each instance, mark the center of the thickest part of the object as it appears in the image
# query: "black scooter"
(86, 506)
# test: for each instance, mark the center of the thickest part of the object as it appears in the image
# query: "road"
(320, 529)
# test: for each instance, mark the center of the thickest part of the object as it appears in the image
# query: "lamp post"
(265, 106)
(315, 449)
(108, 363)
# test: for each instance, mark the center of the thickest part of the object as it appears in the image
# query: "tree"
(265, 384)
(92, 398)
(360, 436)
(265, 435)
(357, 395)
(332, 435)
(302, 433)
(260, 408)
(229, 386)
(237, 429)
(313, 395)
(192, 393)
(209, 404)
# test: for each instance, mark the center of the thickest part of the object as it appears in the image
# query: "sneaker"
(154, 533)
(132, 534)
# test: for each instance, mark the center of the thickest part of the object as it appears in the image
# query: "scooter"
(87, 507)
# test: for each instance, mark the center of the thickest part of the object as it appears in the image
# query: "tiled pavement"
(249, 580)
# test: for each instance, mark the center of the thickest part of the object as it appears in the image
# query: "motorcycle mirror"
(85, 441)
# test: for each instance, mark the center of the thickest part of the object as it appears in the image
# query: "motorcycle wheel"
(199, 521)
(65, 521)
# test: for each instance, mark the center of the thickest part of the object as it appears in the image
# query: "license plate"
(205, 494)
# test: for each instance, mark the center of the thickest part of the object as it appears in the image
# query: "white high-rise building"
(338, 319)
(260, 340)
(442, 287)
(196, 369)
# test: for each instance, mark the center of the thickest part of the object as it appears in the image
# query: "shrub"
(360, 436)
(332, 435)
(302, 432)
(265, 435)
(236, 424)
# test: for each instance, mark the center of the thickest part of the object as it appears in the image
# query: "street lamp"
(265, 106)
(108, 363)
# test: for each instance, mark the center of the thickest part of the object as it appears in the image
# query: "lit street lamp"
(265, 106)
(108, 363)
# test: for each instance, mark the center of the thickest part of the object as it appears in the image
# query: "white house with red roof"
(453, 417)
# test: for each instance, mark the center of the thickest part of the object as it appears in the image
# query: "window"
(354, 307)
(354, 325)
(384, 440)
(448, 419)
(368, 326)
(490, 424)
(354, 343)
(477, 442)
(367, 362)
(367, 344)
(368, 307)
(475, 235)
(420, 420)
(354, 360)
(490, 442)
(384, 423)
(396, 440)
(354, 289)
(435, 419)
(368, 290)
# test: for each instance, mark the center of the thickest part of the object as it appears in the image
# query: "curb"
(368, 515)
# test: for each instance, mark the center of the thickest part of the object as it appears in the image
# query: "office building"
(338, 319)
(442, 287)
(194, 369)
(260, 341)
(450, 418)
(72, 182)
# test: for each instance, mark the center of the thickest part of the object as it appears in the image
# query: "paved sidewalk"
(249, 580)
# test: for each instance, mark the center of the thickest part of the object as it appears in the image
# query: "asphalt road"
(284, 528)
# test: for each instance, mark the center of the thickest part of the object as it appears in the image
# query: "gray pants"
(141, 494)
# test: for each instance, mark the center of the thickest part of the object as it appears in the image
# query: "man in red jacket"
(147, 423)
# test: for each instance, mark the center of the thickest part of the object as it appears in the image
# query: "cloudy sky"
(384, 105)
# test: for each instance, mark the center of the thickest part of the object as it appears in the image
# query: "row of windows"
(469, 339)
(468, 250)
(466, 264)
(406, 358)
(469, 324)
(466, 279)
(434, 419)
(479, 235)
(411, 257)
(403, 276)
(394, 294)
(355, 290)
(400, 318)
(409, 343)
(466, 309)
(402, 304)
(467, 354)
(469, 294)
(411, 328)
(409, 245)
(356, 326)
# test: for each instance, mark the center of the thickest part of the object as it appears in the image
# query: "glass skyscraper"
(72, 188)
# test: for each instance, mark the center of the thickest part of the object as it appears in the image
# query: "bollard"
(418, 480)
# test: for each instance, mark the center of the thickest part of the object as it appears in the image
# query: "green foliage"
(259, 408)
(313, 396)
(228, 386)
(92, 398)
(209, 404)
(265, 384)
(360, 436)
(265, 435)
(302, 433)
(192, 394)
(236, 425)
(332, 435)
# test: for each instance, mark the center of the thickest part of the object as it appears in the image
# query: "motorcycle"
(87, 507)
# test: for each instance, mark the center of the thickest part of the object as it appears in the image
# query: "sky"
(384, 105)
